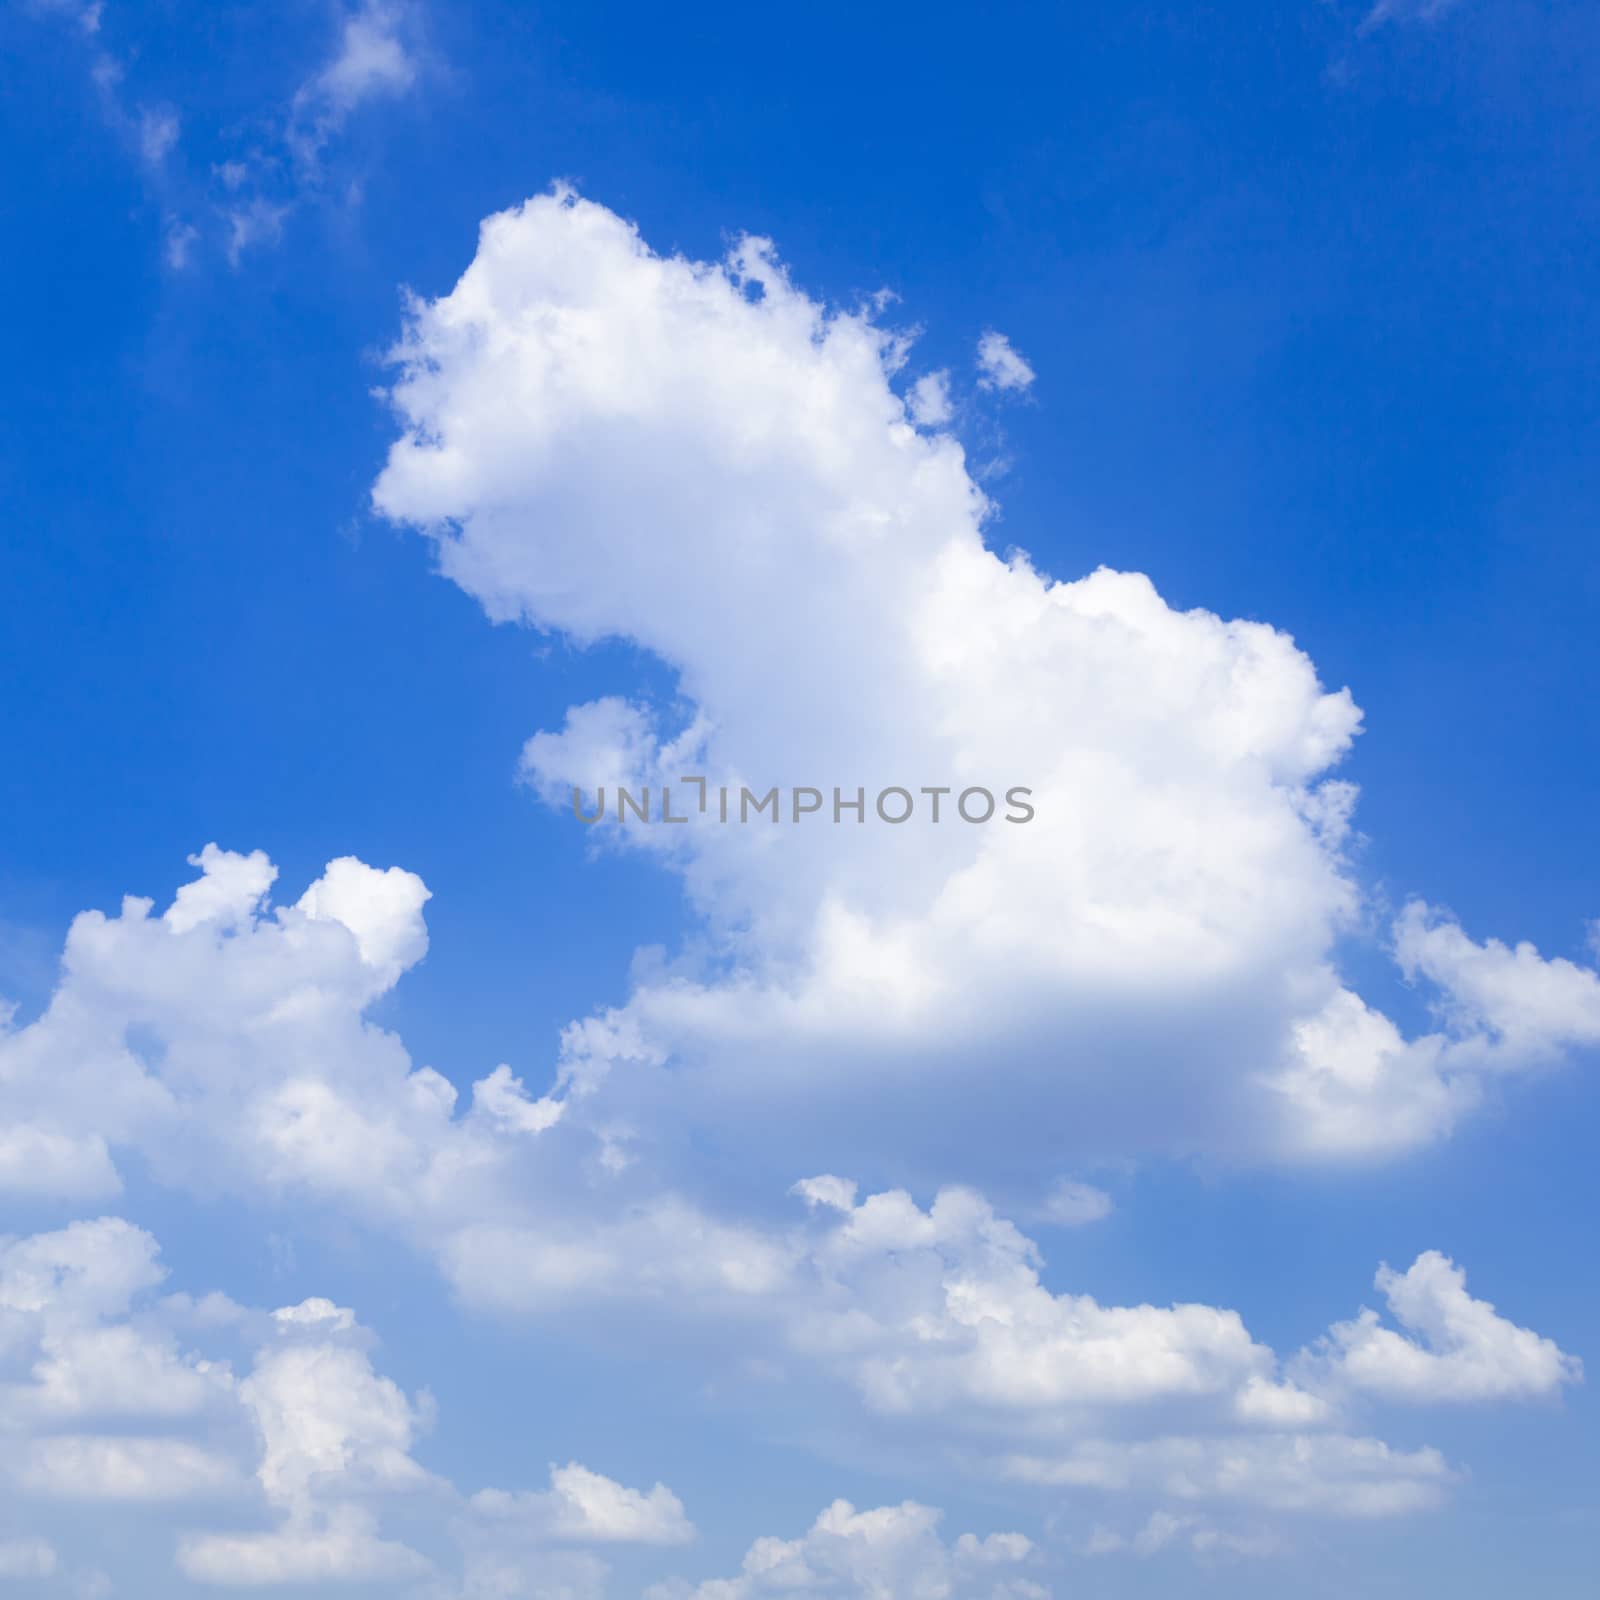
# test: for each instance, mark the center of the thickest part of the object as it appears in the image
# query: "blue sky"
(308, 535)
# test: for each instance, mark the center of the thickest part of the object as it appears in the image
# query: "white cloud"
(584, 1506)
(1000, 366)
(225, 1041)
(1327, 1474)
(226, 1038)
(105, 1467)
(939, 1321)
(372, 62)
(1455, 1348)
(85, 13)
(314, 1439)
(1503, 1007)
(1071, 1204)
(610, 443)
(158, 133)
(27, 1558)
(255, 221)
(943, 1310)
(46, 1162)
(929, 401)
(873, 1555)
(82, 1272)
(1163, 1529)
(1407, 11)
(341, 1547)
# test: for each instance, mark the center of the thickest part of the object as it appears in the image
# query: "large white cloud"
(701, 459)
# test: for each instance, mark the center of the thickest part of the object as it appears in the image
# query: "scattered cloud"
(242, 201)
(867, 1555)
(1071, 1204)
(27, 1558)
(1407, 11)
(117, 1408)
(1000, 366)
(373, 61)
(1454, 1348)
(224, 1041)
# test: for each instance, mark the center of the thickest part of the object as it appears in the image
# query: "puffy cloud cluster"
(105, 1401)
(940, 1323)
(1454, 1347)
(225, 1041)
(96, 1403)
(699, 458)
(582, 1505)
(893, 1551)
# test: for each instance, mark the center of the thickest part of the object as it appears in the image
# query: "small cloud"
(86, 13)
(1403, 11)
(1000, 366)
(929, 403)
(158, 133)
(179, 242)
(372, 62)
(1071, 1205)
(257, 222)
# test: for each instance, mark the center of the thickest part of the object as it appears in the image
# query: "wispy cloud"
(242, 202)
(373, 62)
(1425, 11)
(1000, 366)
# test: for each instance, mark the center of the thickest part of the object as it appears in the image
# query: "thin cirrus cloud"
(615, 444)
(244, 199)
(376, 58)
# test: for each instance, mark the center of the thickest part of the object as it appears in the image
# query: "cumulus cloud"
(225, 1041)
(584, 1506)
(869, 1555)
(939, 1322)
(614, 444)
(104, 1400)
(1502, 1007)
(226, 1037)
(1454, 1347)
